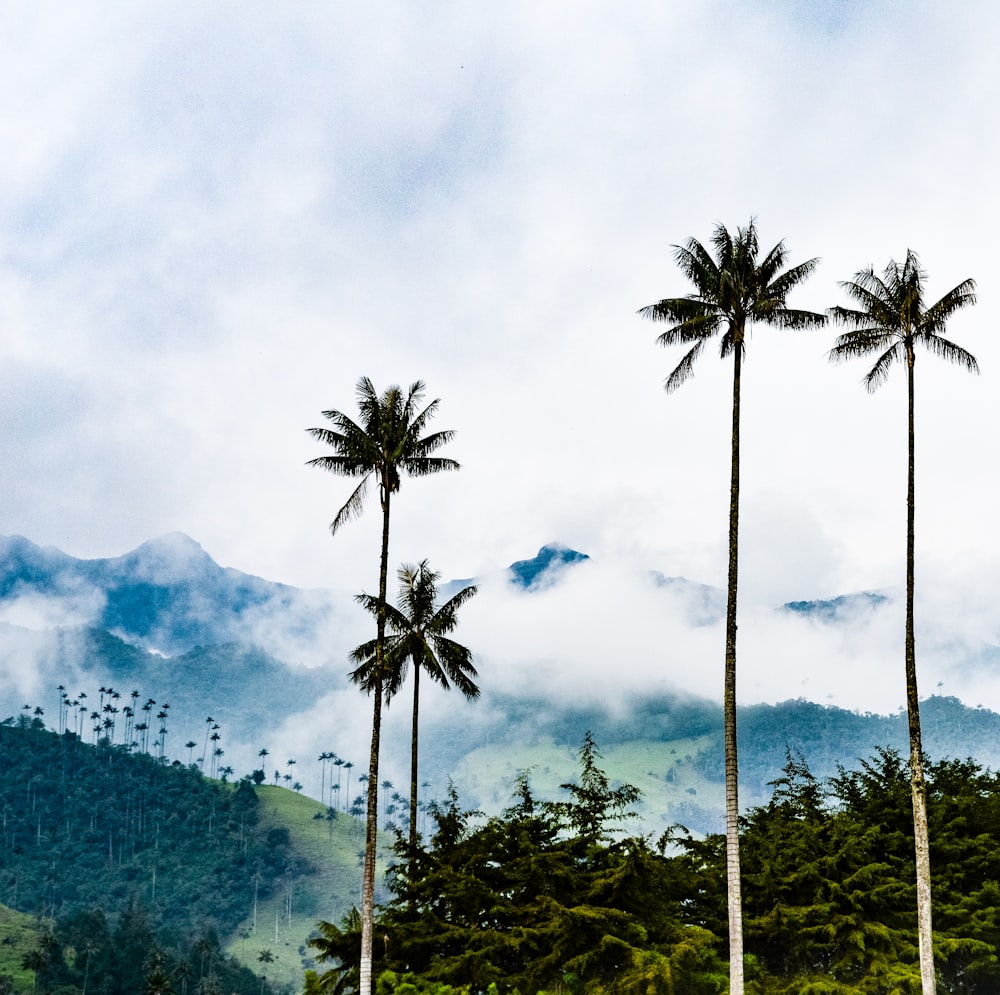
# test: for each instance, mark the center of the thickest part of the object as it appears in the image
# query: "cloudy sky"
(215, 217)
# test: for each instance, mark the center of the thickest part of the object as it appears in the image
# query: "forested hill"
(672, 748)
(94, 836)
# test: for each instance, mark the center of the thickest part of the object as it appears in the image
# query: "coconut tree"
(419, 632)
(388, 442)
(732, 291)
(890, 321)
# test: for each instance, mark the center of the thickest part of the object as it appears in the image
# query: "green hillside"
(675, 786)
(331, 848)
(97, 838)
(18, 935)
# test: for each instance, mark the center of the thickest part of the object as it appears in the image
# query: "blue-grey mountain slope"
(167, 621)
(168, 595)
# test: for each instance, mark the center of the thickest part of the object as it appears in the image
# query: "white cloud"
(214, 219)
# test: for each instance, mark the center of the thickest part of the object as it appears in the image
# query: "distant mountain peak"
(174, 542)
(170, 558)
(705, 605)
(537, 572)
(839, 608)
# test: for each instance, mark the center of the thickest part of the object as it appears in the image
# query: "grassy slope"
(18, 935)
(673, 789)
(666, 773)
(335, 851)
(670, 782)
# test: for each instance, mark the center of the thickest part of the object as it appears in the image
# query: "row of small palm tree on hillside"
(114, 725)
(733, 289)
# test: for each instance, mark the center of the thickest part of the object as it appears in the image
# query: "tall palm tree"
(265, 957)
(323, 757)
(732, 290)
(419, 633)
(388, 442)
(338, 762)
(891, 320)
(348, 766)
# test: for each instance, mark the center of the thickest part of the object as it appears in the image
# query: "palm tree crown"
(419, 632)
(891, 319)
(731, 290)
(388, 442)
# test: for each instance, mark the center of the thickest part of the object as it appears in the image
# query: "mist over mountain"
(563, 644)
(167, 596)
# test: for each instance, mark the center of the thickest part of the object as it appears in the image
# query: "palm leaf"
(684, 370)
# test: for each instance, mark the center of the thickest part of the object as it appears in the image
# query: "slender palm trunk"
(918, 785)
(733, 891)
(371, 821)
(413, 760)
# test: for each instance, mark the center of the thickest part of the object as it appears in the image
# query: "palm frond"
(937, 315)
(412, 424)
(879, 373)
(852, 317)
(417, 447)
(729, 340)
(684, 370)
(873, 295)
(352, 508)
(771, 264)
(702, 326)
(680, 310)
(414, 395)
(451, 606)
(367, 674)
(422, 466)
(371, 405)
(395, 620)
(351, 444)
(344, 466)
(728, 251)
(948, 350)
(860, 342)
(449, 664)
(698, 266)
(781, 286)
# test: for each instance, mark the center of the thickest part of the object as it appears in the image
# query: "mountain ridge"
(169, 621)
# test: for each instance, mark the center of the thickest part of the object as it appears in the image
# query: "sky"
(215, 218)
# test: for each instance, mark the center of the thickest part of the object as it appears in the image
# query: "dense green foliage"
(830, 882)
(87, 827)
(547, 897)
(126, 857)
(85, 952)
(540, 897)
